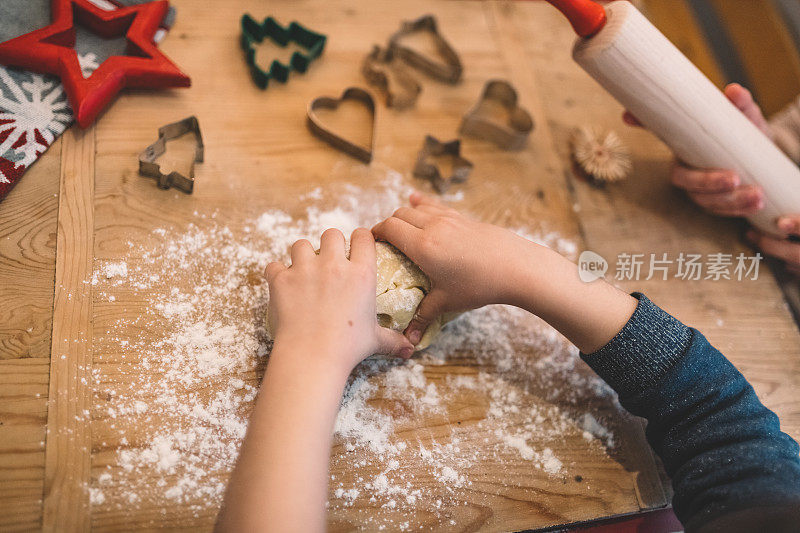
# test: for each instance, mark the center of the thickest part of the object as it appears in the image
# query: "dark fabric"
(722, 448)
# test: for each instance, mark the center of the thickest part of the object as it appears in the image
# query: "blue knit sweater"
(723, 450)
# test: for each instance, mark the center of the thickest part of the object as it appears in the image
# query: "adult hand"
(720, 191)
(784, 249)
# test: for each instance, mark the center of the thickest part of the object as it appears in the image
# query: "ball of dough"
(401, 286)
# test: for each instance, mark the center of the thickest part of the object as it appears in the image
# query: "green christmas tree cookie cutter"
(254, 32)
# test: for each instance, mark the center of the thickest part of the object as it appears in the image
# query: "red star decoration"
(50, 50)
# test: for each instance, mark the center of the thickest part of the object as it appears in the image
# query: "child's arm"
(322, 311)
(731, 467)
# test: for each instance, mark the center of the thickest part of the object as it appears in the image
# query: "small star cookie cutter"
(254, 32)
(449, 69)
(147, 159)
(508, 135)
(383, 69)
(433, 147)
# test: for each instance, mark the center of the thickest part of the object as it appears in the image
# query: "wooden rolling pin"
(648, 75)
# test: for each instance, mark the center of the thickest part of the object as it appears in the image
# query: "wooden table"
(59, 363)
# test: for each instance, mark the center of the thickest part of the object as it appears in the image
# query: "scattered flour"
(185, 396)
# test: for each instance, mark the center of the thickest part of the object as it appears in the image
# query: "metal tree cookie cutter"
(510, 135)
(449, 70)
(383, 69)
(424, 169)
(254, 32)
(147, 159)
(337, 141)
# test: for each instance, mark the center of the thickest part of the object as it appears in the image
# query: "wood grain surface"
(259, 156)
(66, 494)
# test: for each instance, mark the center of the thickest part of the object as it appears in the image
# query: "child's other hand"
(325, 304)
(470, 263)
(720, 191)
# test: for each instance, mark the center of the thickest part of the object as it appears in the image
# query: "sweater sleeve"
(721, 447)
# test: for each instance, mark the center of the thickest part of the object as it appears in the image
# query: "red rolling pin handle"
(586, 16)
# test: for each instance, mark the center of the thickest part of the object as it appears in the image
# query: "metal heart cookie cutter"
(508, 135)
(449, 70)
(432, 148)
(337, 141)
(147, 159)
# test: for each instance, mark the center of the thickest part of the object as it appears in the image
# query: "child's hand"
(324, 304)
(720, 191)
(470, 264)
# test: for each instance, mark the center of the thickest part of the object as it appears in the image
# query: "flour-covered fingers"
(703, 181)
(400, 234)
(302, 251)
(429, 309)
(779, 248)
(331, 244)
(362, 247)
(415, 217)
(272, 270)
(742, 201)
(394, 343)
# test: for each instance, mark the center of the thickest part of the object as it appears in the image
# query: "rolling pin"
(648, 75)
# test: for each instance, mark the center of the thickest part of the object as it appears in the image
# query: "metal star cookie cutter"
(147, 159)
(510, 135)
(450, 71)
(433, 147)
(254, 32)
(383, 69)
(337, 141)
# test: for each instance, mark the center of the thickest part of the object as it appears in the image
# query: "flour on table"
(185, 396)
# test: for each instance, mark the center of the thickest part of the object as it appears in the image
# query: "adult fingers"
(430, 308)
(331, 244)
(272, 270)
(629, 119)
(704, 181)
(743, 100)
(302, 251)
(415, 217)
(399, 233)
(742, 201)
(782, 249)
(790, 224)
(392, 342)
(362, 247)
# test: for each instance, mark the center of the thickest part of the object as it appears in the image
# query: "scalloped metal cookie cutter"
(147, 159)
(383, 69)
(433, 147)
(450, 71)
(510, 135)
(254, 32)
(337, 141)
